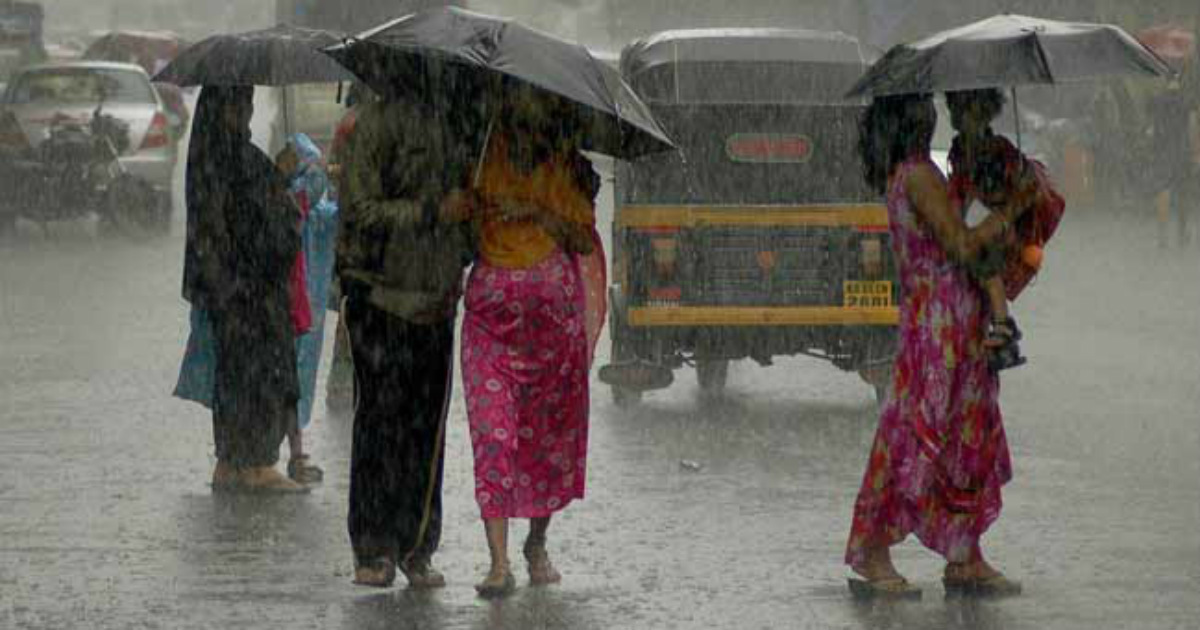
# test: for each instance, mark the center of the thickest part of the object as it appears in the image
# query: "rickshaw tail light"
(872, 257)
(665, 254)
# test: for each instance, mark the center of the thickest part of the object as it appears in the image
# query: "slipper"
(886, 588)
(267, 480)
(421, 574)
(497, 590)
(380, 573)
(994, 586)
(541, 570)
(301, 471)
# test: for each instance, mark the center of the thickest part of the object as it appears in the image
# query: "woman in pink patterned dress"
(940, 455)
(528, 334)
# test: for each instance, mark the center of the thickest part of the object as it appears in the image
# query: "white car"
(38, 95)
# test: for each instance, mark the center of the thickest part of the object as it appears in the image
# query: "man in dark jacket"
(403, 246)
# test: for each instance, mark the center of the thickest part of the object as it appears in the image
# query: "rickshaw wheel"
(880, 379)
(623, 397)
(626, 398)
(712, 375)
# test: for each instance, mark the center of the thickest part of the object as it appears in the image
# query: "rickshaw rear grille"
(765, 267)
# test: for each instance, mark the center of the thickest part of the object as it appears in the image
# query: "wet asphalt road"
(107, 521)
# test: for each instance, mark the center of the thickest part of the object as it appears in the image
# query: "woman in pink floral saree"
(940, 455)
(534, 307)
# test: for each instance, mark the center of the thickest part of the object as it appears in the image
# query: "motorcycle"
(76, 172)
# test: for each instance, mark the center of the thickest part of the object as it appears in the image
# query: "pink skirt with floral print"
(525, 372)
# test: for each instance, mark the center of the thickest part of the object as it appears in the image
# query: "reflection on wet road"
(106, 520)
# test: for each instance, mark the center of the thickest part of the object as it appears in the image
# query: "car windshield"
(81, 85)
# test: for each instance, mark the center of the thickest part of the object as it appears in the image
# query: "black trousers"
(402, 377)
(256, 385)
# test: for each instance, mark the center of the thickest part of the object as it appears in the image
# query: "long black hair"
(991, 101)
(893, 129)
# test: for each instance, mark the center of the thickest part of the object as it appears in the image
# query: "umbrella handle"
(1016, 116)
(487, 140)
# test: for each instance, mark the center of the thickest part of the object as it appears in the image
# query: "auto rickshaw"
(759, 238)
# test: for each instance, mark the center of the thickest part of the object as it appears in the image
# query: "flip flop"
(994, 586)
(379, 573)
(490, 590)
(301, 470)
(886, 588)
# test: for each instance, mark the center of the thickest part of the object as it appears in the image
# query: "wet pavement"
(107, 521)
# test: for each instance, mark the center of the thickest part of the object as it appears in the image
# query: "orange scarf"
(551, 188)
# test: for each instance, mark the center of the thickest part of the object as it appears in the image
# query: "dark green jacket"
(401, 160)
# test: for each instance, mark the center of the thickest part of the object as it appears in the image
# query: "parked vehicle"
(20, 37)
(152, 50)
(86, 137)
(759, 238)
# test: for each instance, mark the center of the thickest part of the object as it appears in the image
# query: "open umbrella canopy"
(1009, 51)
(281, 55)
(475, 47)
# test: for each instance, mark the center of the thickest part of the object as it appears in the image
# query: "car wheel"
(712, 375)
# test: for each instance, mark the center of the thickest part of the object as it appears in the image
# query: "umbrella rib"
(1041, 53)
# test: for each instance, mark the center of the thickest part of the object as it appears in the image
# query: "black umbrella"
(1008, 51)
(278, 56)
(476, 47)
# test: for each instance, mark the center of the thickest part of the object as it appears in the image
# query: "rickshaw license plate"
(867, 293)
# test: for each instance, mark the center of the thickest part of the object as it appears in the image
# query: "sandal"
(883, 588)
(961, 581)
(541, 570)
(300, 471)
(267, 480)
(1002, 338)
(379, 572)
(496, 587)
(993, 586)
(421, 574)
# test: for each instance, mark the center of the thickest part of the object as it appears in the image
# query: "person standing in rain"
(402, 248)
(940, 455)
(1170, 120)
(526, 335)
(302, 163)
(243, 239)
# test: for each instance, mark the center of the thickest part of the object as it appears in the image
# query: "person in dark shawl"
(243, 236)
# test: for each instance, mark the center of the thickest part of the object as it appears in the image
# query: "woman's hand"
(931, 201)
(458, 207)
